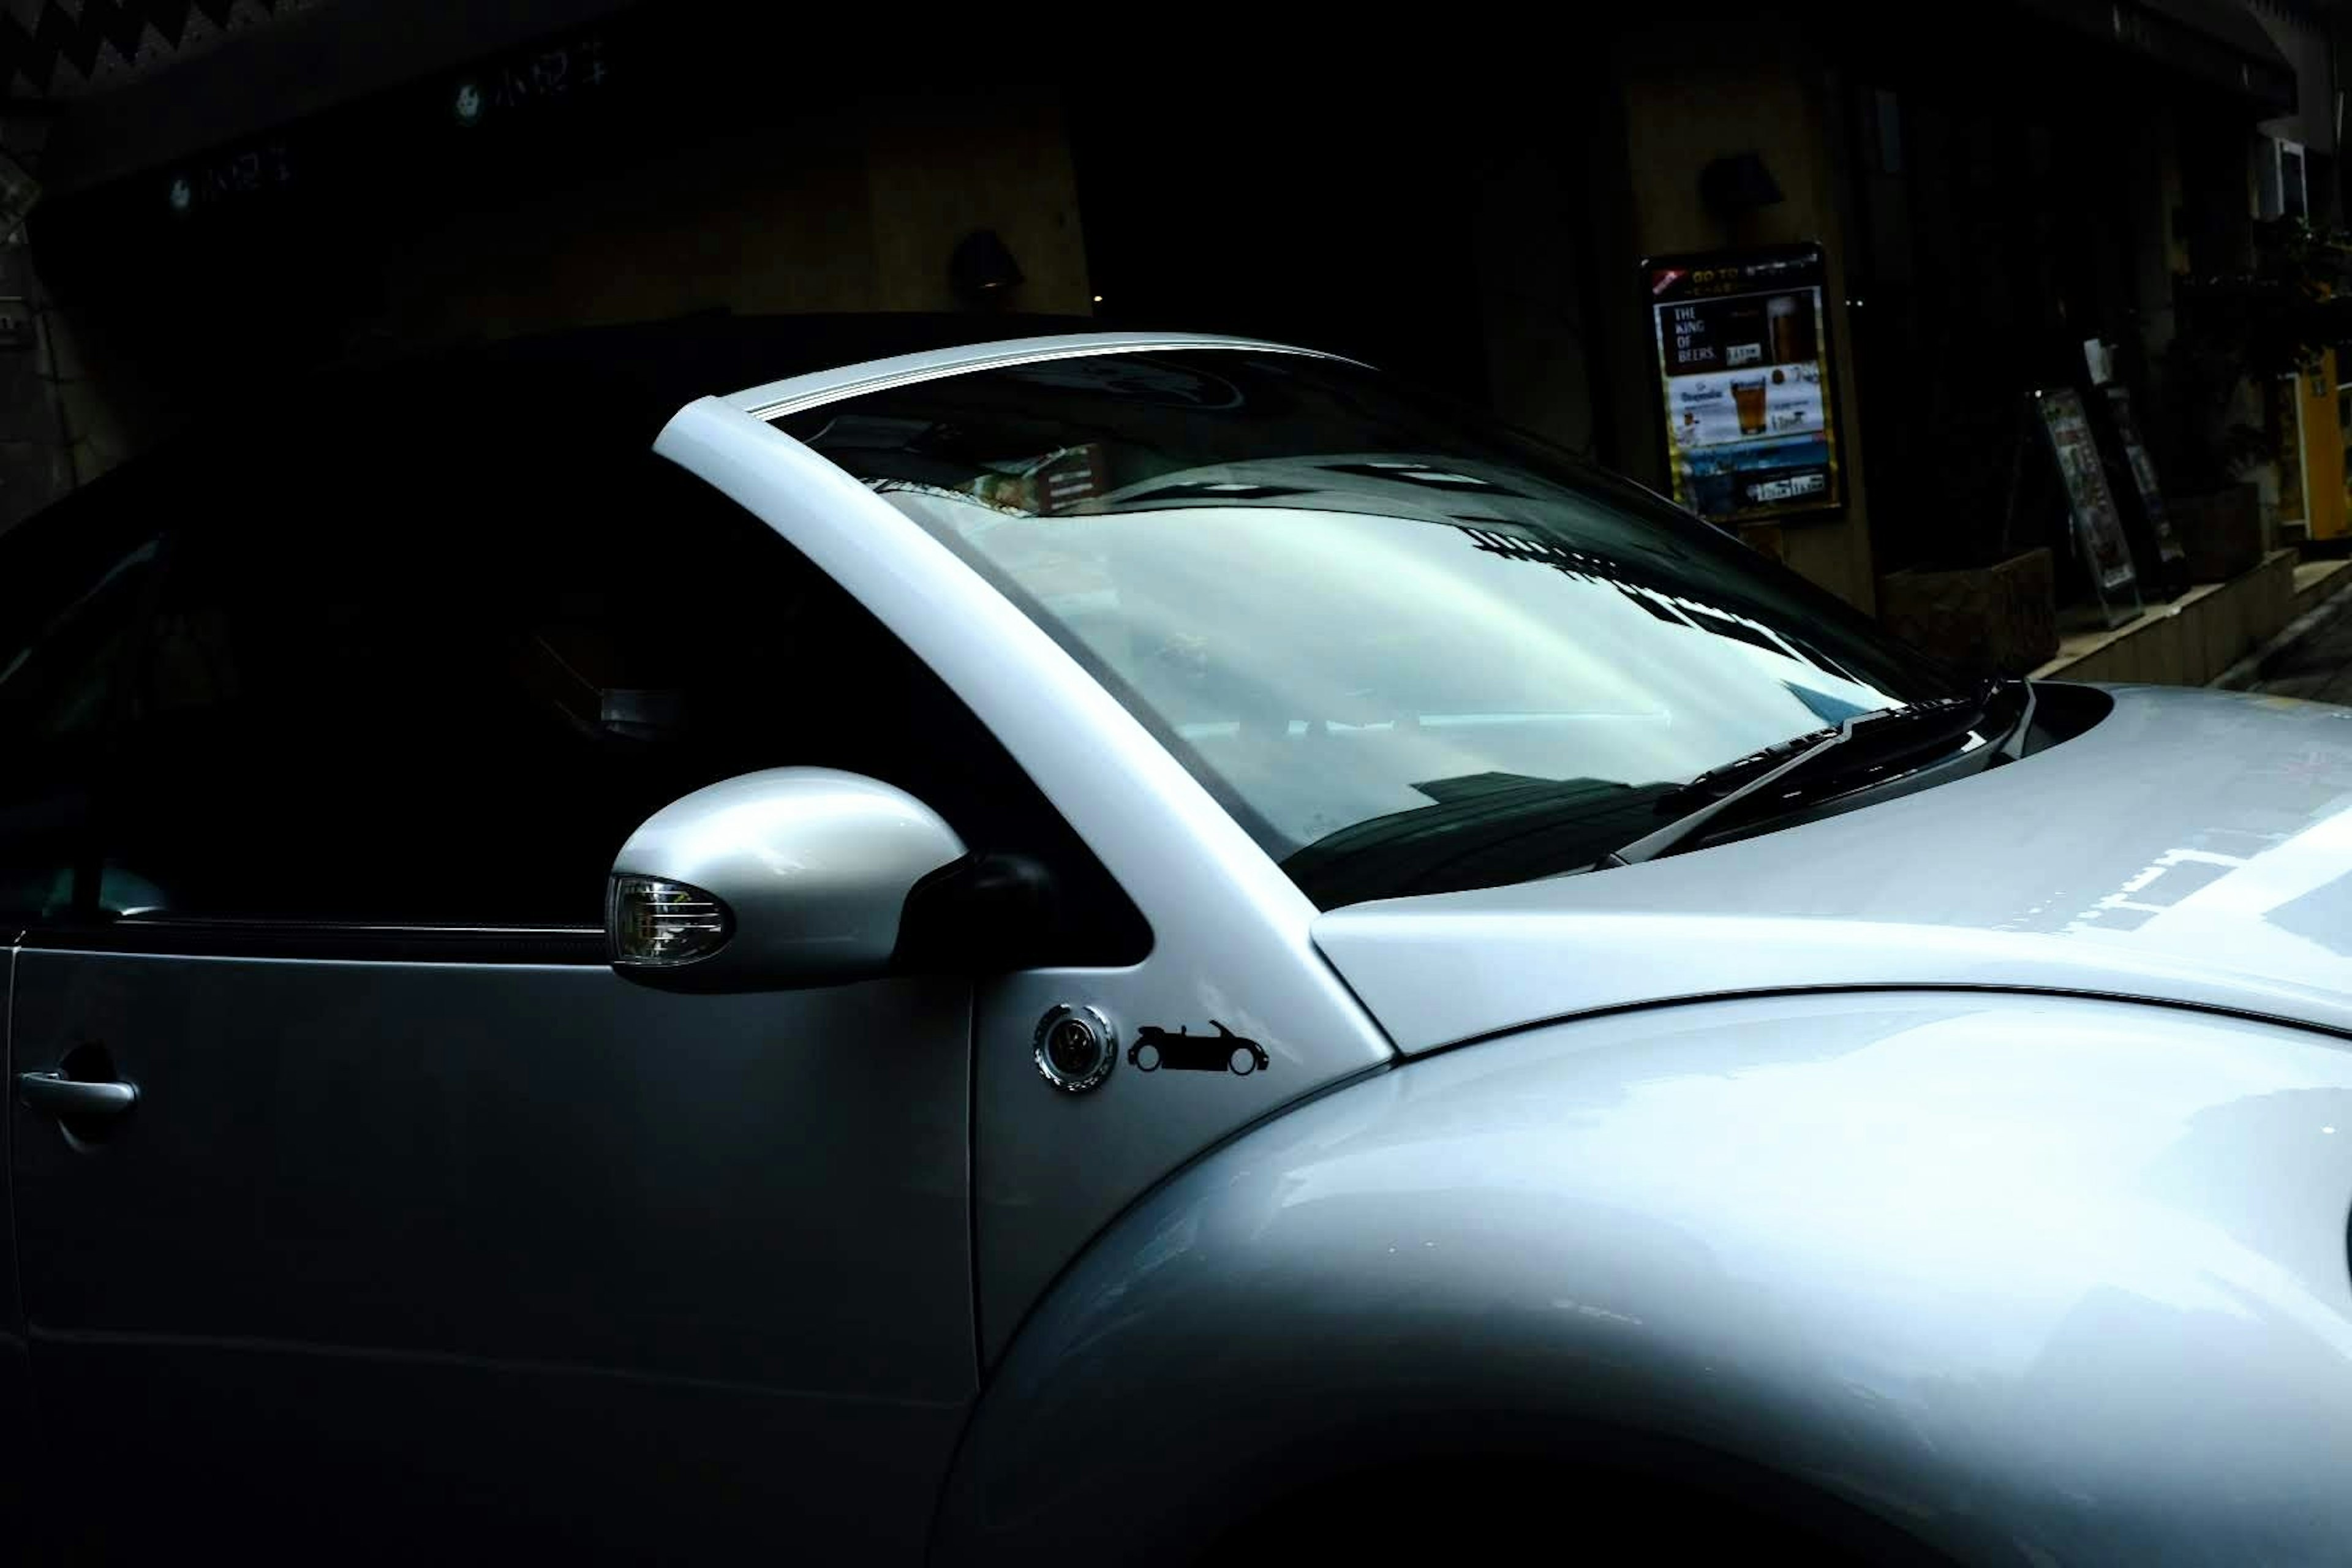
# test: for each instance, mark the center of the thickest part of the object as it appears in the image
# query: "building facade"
(236, 189)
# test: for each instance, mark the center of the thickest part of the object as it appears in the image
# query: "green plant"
(2255, 326)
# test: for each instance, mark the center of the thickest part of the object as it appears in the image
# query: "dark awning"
(121, 106)
(2217, 42)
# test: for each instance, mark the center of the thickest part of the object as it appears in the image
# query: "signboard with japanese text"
(1744, 367)
(2143, 472)
(2098, 527)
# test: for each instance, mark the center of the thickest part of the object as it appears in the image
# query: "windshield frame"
(776, 400)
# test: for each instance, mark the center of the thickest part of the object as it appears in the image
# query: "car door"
(71, 587)
(423, 1226)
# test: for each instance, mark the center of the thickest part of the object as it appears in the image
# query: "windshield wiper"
(1788, 760)
(2012, 745)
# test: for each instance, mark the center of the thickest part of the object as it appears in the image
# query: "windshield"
(1409, 651)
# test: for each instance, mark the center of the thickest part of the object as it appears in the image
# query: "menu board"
(2098, 526)
(2143, 472)
(1743, 361)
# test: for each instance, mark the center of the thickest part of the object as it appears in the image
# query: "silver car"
(1118, 947)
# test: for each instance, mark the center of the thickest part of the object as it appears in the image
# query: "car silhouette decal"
(1184, 1051)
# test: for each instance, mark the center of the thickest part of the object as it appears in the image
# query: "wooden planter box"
(2002, 619)
(2221, 531)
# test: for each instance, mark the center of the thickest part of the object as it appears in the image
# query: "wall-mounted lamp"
(982, 269)
(1737, 183)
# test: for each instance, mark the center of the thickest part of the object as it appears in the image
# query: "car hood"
(2192, 846)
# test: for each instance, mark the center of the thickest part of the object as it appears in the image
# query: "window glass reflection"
(1409, 651)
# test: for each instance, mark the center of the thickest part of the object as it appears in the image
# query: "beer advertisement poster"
(1743, 361)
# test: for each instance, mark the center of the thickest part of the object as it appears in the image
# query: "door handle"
(60, 1096)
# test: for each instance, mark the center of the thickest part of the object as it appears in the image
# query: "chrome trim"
(355, 941)
(795, 394)
(134, 922)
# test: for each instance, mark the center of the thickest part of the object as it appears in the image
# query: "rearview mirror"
(791, 878)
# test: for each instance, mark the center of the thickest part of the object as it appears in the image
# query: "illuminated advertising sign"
(1743, 368)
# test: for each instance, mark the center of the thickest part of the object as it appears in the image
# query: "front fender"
(2032, 1278)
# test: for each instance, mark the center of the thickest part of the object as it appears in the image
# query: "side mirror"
(791, 878)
